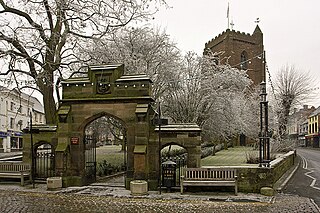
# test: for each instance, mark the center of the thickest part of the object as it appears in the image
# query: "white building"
(15, 108)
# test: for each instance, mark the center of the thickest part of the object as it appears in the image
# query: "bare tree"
(39, 38)
(292, 88)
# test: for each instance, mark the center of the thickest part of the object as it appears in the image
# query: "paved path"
(115, 199)
(104, 198)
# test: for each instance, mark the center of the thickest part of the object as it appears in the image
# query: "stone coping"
(179, 127)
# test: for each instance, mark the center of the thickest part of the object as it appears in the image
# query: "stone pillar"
(140, 162)
(141, 142)
(6, 144)
(194, 157)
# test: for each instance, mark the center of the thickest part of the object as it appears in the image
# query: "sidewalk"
(243, 202)
(112, 189)
(4, 155)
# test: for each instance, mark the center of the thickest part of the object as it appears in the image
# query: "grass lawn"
(111, 153)
(233, 156)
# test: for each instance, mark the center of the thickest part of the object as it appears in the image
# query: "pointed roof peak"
(257, 30)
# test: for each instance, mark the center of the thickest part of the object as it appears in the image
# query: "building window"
(12, 106)
(36, 117)
(312, 131)
(20, 109)
(20, 123)
(310, 128)
(14, 142)
(316, 127)
(244, 61)
(11, 123)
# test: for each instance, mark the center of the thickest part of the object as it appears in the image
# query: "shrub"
(104, 168)
(284, 145)
(252, 157)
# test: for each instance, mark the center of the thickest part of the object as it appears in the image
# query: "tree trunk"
(49, 104)
(214, 150)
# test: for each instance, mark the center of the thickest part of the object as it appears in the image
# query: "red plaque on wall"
(74, 140)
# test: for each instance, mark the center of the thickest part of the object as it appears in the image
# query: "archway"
(105, 147)
(44, 160)
(127, 100)
(177, 156)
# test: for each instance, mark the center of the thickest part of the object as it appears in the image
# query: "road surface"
(306, 181)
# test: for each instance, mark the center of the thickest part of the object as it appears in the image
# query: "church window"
(244, 60)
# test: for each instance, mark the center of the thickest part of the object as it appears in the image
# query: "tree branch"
(25, 16)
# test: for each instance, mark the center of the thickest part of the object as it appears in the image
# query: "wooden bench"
(15, 170)
(209, 177)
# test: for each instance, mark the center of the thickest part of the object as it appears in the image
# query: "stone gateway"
(106, 91)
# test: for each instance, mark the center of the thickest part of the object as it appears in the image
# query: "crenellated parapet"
(106, 82)
(253, 38)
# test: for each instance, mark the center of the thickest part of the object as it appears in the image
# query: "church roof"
(257, 30)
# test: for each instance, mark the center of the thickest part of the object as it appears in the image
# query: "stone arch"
(94, 117)
(91, 138)
(177, 159)
(165, 144)
(193, 152)
(44, 160)
(186, 136)
(42, 142)
(127, 99)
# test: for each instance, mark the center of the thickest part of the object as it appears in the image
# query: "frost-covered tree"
(184, 101)
(292, 87)
(38, 39)
(141, 50)
(217, 97)
(232, 110)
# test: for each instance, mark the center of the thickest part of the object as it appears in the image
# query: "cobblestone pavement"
(74, 201)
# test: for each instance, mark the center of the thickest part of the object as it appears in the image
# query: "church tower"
(242, 51)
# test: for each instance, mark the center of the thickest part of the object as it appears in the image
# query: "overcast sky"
(291, 28)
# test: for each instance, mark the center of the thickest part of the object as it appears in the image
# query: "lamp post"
(32, 151)
(159, 123)
(264, 138)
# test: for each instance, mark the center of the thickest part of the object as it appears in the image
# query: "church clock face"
(103, 84)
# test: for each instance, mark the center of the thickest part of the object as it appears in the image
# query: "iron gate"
(44, 162)
(181, 162)
(90, 159)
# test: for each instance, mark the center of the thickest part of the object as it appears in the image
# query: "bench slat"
(15, 170)
(209, 177)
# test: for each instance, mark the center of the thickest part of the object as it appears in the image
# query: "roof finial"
(232, 24)
(257, 20)
(228, 17)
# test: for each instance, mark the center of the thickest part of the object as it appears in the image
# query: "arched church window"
(244, 60)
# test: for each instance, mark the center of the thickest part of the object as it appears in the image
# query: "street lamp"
(264, 138)
(32, 152)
